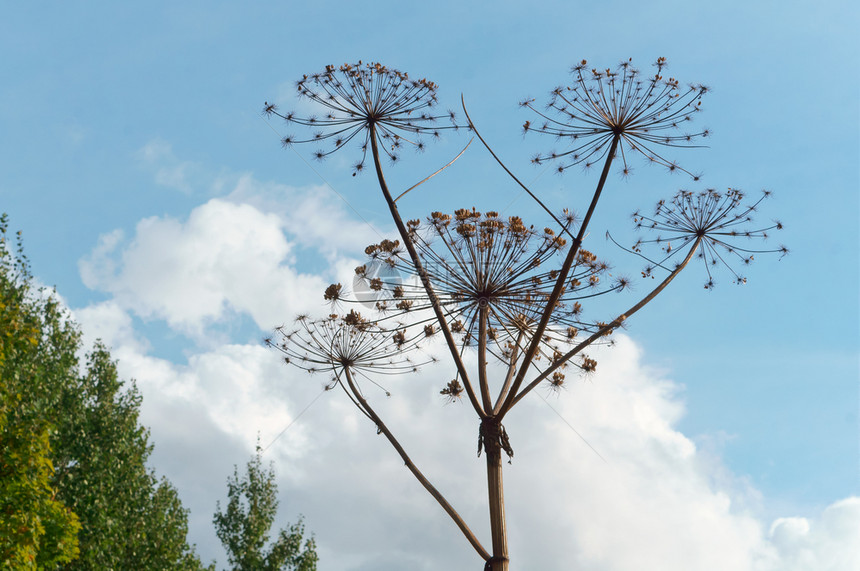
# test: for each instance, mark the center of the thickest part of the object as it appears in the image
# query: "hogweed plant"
(511, 294)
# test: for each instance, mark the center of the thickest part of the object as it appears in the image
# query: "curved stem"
(529, 355)
(470, 536)
(417, 184)
(422, 274)
(609, 326)
(507, 170)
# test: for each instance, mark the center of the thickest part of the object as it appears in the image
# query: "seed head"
(339, 342)
(477, 262)
(359, 99)
(602, 104)
(720, 219)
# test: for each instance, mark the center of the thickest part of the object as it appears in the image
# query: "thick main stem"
(496, 495)
(422, 274)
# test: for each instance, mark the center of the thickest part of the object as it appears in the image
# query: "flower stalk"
(381, 426)
(422, 274)
(559, 285)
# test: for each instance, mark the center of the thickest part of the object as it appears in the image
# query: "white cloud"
(830, 543)
(110, 323)
(225, 258)
(233, 255)
(653, 504)
(317, 217)
(653, 501)
(168, 170)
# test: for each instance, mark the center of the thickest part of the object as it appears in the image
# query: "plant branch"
(425, 279)
(609, 326)
(559, 284)
(483, 317)
(470, 536)
(507, 170)
(416, 185)
(509, 377)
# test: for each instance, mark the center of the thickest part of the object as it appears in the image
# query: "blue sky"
(135, 161)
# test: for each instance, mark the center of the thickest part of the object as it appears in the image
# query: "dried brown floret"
(452, 391)
(333, 292)
(587, 365)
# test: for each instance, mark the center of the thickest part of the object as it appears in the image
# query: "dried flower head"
(719, 219)
(603, 104)
(363, 100)
(482, 262)
(556, 382)
(333, 293)
(346, 342)
(452, 391)
(587, 365)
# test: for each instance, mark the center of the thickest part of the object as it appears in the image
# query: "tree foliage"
(37, 530)
(132, 520)
(243, 527)
(75, 492)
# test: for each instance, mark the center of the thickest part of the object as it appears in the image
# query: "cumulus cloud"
(233, 255)
(830, 542)
(108, 322)
(316, 217)
(226, 258)
(647, 501)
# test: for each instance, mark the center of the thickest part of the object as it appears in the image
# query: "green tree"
(131, 519)
(243, 527)
(73, 475)
(36, 529)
